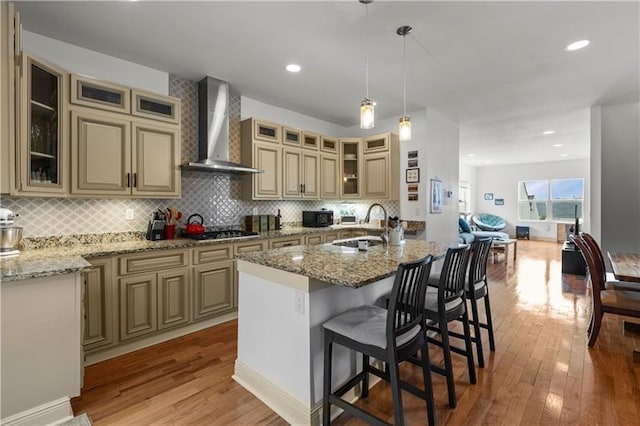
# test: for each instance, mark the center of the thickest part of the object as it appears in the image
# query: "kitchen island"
(285, 295)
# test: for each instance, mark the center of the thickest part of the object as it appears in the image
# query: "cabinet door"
(173, 298)
(99, 308)
(10, 49)
(376, 176)
(292, 173)
(138, 306)
(265, 131)
(94, 93)
(376, 143)
(100, 153)
(155, 107)
(311, 240)
(310, 140)
(267, 185)
(329, 144)
(329, 170)
(331, 237)
(43, 152)
(213, 286)
(291, 136)
(285, 242)
(310, 175)
(155, 159)
(350, 157)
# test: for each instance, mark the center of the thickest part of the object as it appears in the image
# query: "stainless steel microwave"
(317, 218)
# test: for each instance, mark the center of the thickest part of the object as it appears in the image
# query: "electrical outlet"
(255, 211)
(299, 302)
(129, 214)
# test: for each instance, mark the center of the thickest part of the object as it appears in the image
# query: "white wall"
(616, 152)
(97, 65)
(252, 108)
(502, 181)
(469, 174)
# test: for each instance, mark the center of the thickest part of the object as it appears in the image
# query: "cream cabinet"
(330, 237)
(213, 286)
(329, 144)
(329, 177)
(285, 242)
(315, 239)
(350, 167)
(310, 140)
(99, 305)
(291, 136)
(261, 149)
(301, 174)
(99, 94)
(10, 51)
(154, 106)
(42, 154)
(263, 130)
(245, 247)
(173, 298)
(138, 305)
(381, 167)
(111, 155)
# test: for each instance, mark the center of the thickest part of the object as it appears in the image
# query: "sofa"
(467, 236)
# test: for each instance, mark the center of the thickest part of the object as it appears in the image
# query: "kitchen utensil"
(193, 227)
(396, 236)
(6, 217)
(169, 232)
(10, 236)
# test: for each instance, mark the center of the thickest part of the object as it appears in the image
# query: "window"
(556, 200)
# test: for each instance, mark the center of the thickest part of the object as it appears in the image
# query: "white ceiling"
(497, 68)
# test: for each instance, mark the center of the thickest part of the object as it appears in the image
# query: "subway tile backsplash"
(216, 197)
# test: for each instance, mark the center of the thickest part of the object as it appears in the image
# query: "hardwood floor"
(541, 372)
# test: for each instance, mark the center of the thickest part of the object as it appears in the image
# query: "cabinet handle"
(304, 188)
(128, 180)
(135, 180)
(301, 188)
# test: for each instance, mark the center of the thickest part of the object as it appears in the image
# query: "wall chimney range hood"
(213, 130)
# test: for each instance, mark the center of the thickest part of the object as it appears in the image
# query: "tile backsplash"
(216, 197)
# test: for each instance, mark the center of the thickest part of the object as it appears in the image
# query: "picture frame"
(412, 197)
(413, 163)
(412, 154)
(412, 175)
(488, 196)
(412, 187)
(499, 202)
(436, 196)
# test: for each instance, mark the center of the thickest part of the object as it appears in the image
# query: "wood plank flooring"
(541, 372)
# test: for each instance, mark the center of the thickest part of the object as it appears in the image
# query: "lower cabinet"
(99, 305)
(138, 305)
(312, 240)
(213, 286)
(173, 298)
(285, 242)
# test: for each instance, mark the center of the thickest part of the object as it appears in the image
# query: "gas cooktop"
(219, 235)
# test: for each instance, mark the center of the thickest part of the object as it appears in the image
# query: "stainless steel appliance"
(10, 235)
(317, 218)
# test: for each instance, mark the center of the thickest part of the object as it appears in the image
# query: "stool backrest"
(406, 305)
(480, 249)
(452, 276)
(595, 272)
(596, 252)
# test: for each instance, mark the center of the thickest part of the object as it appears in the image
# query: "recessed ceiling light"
(293, 68)
(576, 45)
(563, 155)
(556, 145)
(471, 155)
(548, 132)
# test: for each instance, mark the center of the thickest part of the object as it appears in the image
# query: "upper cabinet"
(380, 167)
(265, 131)
(10, 52)
(154, 106)
(43, 148)
(350, 167)
(93, 93)
(261, 149)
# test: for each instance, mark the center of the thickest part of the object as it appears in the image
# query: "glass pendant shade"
(404, 128)
(367, 115)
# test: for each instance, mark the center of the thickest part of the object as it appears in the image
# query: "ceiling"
(499, 69)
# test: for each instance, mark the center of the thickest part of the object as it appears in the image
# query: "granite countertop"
(66, 254)
(343, 265)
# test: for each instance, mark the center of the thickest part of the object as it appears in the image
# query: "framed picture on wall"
(499, 202)
(413, 175)
(436, 196)
(488, 196)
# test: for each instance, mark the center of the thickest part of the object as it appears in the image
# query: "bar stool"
(390, 335)
(447, 303)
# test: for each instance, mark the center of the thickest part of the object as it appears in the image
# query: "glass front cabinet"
(350, 167)
(43, 147)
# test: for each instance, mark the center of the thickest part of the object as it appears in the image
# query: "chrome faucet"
(385, 231)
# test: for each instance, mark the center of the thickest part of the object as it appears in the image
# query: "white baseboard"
(51, 413)
(122, 349)
(286, 406)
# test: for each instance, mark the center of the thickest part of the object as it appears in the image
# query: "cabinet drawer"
(152, 261)
(155, 107)
(100, 94)
(331, 237)
(314, 239)
(285, 242)
(212, 254)
(249, 246)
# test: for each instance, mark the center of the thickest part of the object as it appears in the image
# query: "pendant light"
(404, 127)
(367, 114)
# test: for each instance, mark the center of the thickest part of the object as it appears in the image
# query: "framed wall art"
(436, 196)
(413, 175)
(499, 202)
(488, 196)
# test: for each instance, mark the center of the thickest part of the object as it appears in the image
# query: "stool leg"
(428, 387)
(487, 309)
(448, 365)
(469, 350)
(365, 381)
(326, 406)
(394, 378)
(476, 330)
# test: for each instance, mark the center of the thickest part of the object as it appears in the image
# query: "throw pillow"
(464, 226)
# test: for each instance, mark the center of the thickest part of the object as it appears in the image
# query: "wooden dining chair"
(610, 281)
(618, 302)
(390, 335)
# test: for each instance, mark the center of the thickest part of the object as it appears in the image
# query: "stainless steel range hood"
(213, 130)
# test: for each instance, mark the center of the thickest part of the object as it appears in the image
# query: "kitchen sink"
(354, 242)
